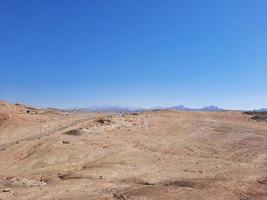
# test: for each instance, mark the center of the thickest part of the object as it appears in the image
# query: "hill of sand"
(150, 155)
(18, 122)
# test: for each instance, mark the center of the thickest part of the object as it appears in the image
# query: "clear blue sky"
(76, 53)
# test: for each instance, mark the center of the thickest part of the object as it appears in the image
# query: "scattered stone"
(257, 116)
(180, 183)
(6, 190)
(263, 181)
(107, 123)
(119, 196)
(32, 112)
(3, 117)
(75, 132)
(103, 120)
(21, 181)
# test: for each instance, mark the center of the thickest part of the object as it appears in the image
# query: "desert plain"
(163, 154)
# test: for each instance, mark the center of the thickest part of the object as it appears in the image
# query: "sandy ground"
(20, 122)
(152, 155)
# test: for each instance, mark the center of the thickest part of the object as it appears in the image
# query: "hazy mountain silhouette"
(125, 109)
(206, 108)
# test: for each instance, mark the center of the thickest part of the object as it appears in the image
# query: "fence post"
(18, 131)
(6, 140)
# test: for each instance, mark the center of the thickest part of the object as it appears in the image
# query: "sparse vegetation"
(258, 116)
(104, 120)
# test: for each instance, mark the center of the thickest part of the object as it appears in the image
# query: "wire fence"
(43, 129)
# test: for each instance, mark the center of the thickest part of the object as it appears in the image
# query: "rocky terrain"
(258, 116)
(148, 155)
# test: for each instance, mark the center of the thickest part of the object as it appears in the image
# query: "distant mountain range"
(112, 108)
(261, 110)
(211, 108)
(125, 109)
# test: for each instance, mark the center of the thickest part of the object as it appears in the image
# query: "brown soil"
(152, 155)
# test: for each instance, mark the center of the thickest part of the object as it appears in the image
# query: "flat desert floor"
(151, 155)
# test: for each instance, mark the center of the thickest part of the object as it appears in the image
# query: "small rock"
(6, 190)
